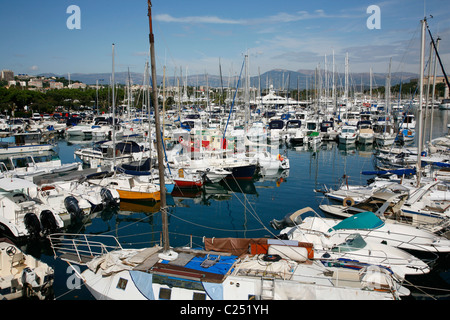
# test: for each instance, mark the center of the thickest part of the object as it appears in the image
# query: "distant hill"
(280, 79)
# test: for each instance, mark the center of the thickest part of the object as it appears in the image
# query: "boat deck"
(187, 265)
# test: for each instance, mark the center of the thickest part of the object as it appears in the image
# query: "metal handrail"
(83, 245)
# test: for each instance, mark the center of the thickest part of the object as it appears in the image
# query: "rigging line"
(128, 225)
(206, 227)
(255, 215)
(252, 211)
(408, 48)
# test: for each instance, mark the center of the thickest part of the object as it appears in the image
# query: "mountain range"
(280, 79)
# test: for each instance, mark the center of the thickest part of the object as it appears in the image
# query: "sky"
(197, 36)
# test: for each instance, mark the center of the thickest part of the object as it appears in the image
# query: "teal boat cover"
(363, 221)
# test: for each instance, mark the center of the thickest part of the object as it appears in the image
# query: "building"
(439, 79)
(56, 85)
(7, 75)
(77, 85)
(36, 83)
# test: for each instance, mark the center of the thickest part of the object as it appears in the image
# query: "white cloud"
(194, 19)
(34, 68)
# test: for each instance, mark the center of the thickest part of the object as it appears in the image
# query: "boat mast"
(114, 112)
(434, 89)
(419, 112)
(166, 246)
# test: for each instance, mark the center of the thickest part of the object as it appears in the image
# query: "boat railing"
(82, 248)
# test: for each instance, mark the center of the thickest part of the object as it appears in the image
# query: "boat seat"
(17, 259)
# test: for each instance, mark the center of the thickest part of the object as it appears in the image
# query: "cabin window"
(165, 294)
(122, 283)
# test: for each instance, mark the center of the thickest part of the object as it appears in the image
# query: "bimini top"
(364, 220)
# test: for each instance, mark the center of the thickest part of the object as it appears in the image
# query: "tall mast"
(419, 115)
(346, 77)
(434, 89)
(113, 84)
(166, 246)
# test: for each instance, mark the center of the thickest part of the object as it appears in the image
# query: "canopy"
(400, 172)
(11, 184)
(363, 220)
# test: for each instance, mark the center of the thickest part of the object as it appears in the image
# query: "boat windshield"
(352, 243)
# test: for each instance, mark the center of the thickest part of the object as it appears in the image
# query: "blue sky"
(194, 35)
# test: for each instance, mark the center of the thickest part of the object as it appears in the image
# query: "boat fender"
(32, 224)
(30, 277)
(48, 222)
(348, 202)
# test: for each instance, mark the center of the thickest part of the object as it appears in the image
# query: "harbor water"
(237, 209)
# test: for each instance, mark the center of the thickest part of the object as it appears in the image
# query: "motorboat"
(354, 248)
(21, 216)
(372, 228)
(70, 207)
(407, 135)
(32, 165)
(102, 154)
(365, 133)
(348, 135)
(22, 276)
(25, 143)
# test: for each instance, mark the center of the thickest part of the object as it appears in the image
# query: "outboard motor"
(107, 197)
(71, 204)
(287, 221)
(30, 278)
(32, 224)
(48, 222)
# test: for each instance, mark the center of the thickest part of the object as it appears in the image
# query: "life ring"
(280, 157)
(271, 258)
(180, 139)
(348, 200)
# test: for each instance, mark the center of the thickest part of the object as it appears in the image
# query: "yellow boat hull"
(136, 195)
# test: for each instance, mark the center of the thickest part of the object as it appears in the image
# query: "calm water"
(236, 210)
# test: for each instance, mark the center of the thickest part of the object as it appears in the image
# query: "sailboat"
(387, 135)
(127, 186)
(236, 269)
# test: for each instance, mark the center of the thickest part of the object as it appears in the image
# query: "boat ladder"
(267, 288)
